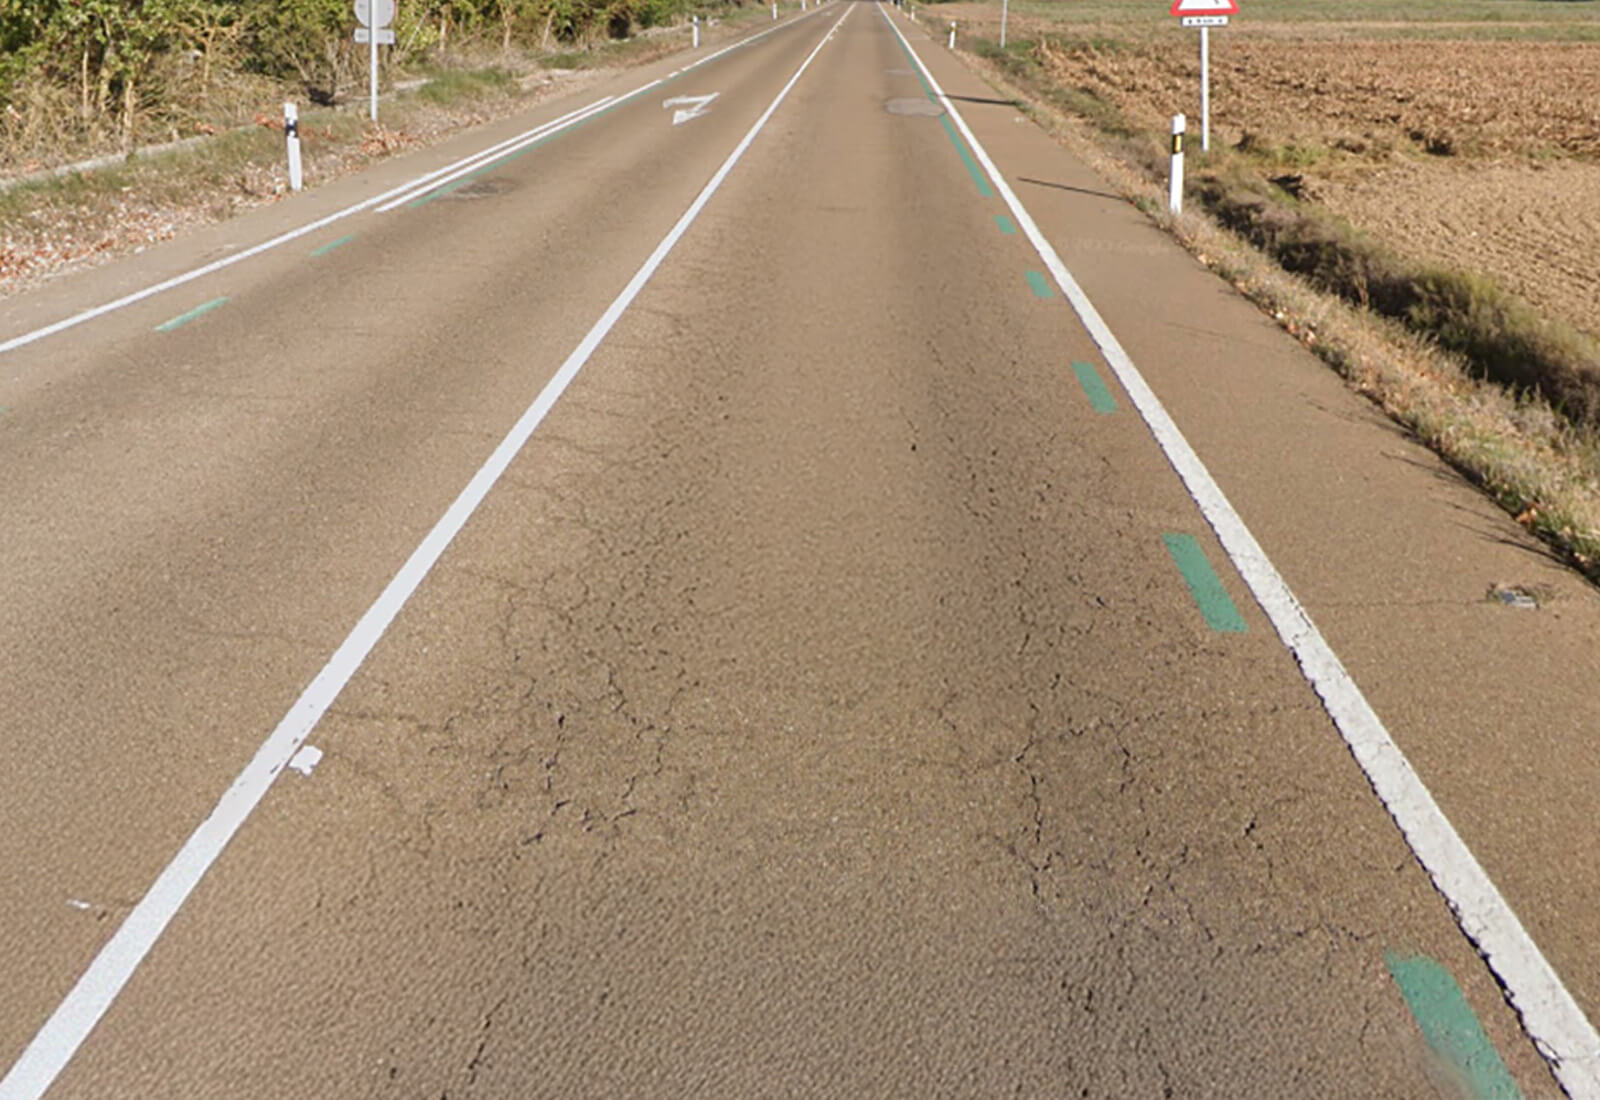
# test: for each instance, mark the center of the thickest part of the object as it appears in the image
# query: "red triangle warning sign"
(1205, 7)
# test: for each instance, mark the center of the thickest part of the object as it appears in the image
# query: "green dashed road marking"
(944, 120)
(1095, 388)
(966, 158)
(1006, 225)
(331, 245)
(1041, 286)
(1204, 584)
(198, 311)
(1449, 1026)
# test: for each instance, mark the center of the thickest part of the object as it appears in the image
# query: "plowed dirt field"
(1484, 154)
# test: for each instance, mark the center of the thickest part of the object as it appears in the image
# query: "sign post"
(1205, 14)
(374, 17)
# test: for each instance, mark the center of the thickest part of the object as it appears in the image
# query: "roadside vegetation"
(124, 122)
(1503, 390)
(78, 77)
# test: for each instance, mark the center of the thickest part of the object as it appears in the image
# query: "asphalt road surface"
(740, 629)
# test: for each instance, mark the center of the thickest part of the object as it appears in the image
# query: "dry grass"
(1501, 337)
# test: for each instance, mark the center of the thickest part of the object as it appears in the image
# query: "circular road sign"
(375, 13)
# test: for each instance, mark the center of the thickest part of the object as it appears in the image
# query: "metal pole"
(1175, 187)
(291, 133)
(1005, 10)
(1205, 89)
(372, 65)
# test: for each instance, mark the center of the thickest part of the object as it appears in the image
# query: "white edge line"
(1558, 1027)
(227, 261)
(477, 160)
(78, 1013)
(294, 234)
(504, 149)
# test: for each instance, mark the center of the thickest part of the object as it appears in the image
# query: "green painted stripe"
(955, 139)
(198, 311)
(1095, 387)
(1215, 603)
(1041, 286)
(1449, 1026)
(331, 245)
(1006, 225)
(916, 69)
(966, 158)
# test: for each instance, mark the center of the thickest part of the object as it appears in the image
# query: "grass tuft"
(465, 85)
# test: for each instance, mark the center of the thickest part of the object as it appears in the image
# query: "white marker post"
(952, 36)
(696, 22)
(774, 9)
(1005, 10)
(1205, 14)
(1175, 187)
(291, 133)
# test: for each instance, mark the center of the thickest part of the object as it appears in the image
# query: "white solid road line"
(366, 204)
(1558, 1027)
(227, 261)
(510, 145)
(67, 1028)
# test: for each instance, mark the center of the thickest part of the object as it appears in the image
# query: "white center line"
(1551, 1016)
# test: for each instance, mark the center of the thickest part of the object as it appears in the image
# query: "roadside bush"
(81, 74)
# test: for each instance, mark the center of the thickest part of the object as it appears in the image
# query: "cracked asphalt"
(813, 708)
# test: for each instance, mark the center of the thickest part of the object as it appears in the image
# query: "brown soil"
(1462, 98)
(1535, 229)
(1484, 155)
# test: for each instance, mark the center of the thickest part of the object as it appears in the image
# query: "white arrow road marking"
(698, 105)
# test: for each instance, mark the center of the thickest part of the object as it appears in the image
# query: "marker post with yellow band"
(1175, 191)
